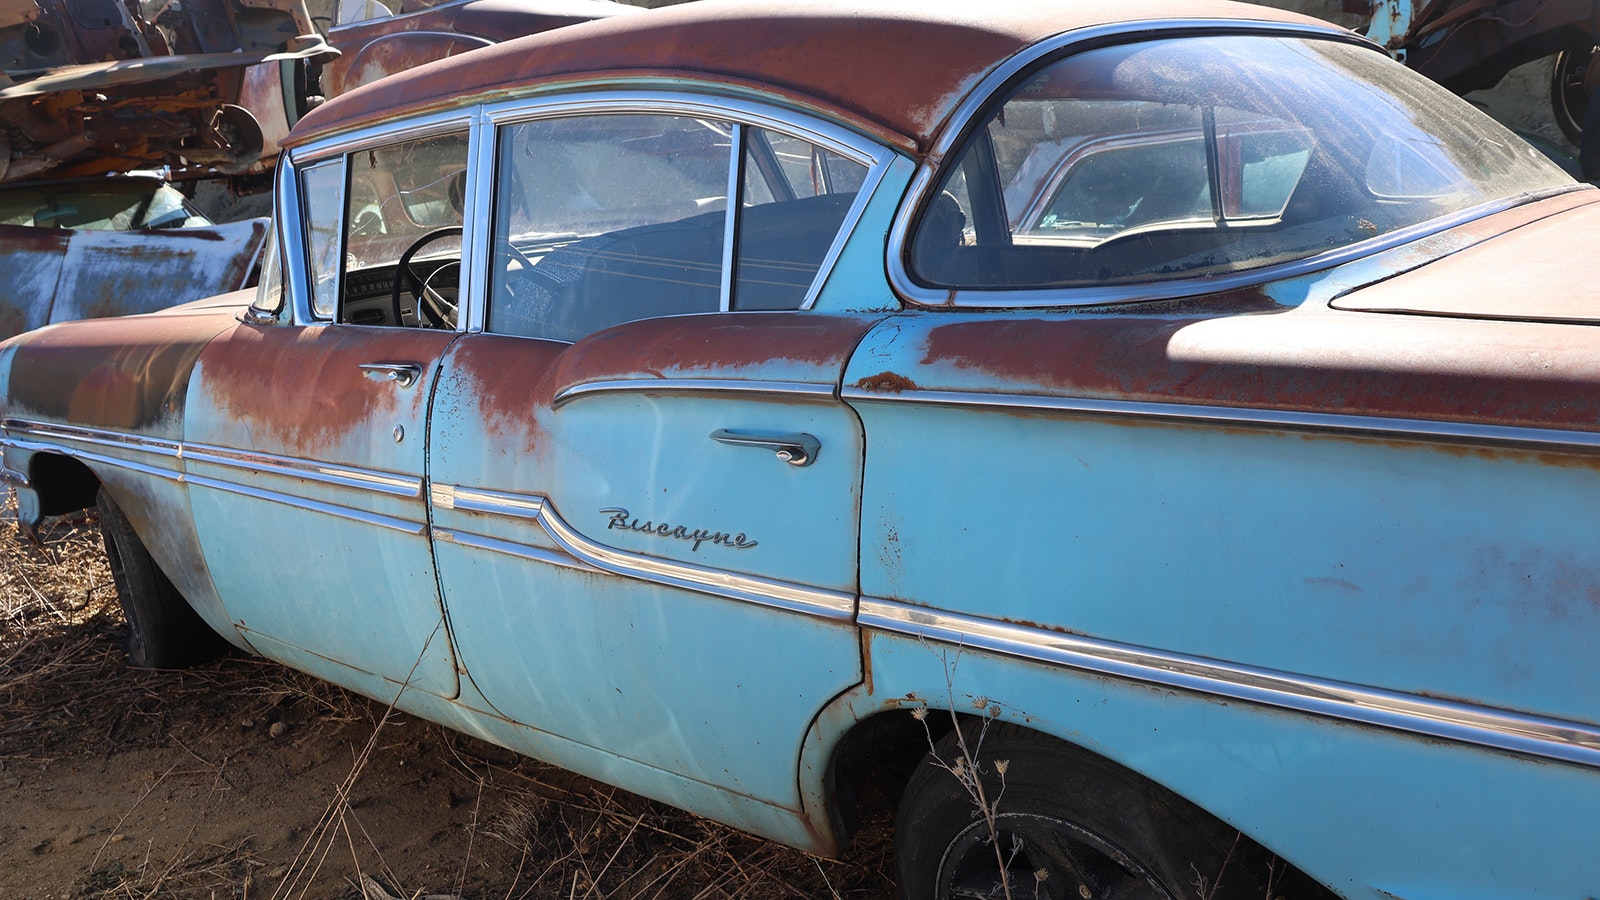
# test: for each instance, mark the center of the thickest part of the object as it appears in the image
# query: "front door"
(306, 444)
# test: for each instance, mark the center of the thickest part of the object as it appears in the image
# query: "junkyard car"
(85, 247)
(1194, 405)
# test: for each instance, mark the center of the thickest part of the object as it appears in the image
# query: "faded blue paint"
(1370, 813)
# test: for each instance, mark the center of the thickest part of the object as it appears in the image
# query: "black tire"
(1090, 827)
(164, 631)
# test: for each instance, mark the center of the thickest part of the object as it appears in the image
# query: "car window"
(387, 214)
(110, 205)
(1201, 156)
(796, 196)
(604, 219)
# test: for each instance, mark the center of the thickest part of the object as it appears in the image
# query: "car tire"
(164, 631)
(1071, 825)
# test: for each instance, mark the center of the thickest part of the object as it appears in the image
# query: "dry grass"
(510, 828)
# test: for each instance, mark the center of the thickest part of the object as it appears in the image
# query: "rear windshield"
(1196, 156)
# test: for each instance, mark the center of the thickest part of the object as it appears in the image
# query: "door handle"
(797, 450)
(402, 374)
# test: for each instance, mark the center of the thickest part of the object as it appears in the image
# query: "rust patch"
(1529, 375)
(508, 380)
(301, 391)
(127, 374)
(886, 383)
(814, 347)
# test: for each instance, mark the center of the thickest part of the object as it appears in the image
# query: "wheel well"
(874, 762)
(62, 484)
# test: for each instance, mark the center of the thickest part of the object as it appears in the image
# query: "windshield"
(1198, 156)
(111, 205)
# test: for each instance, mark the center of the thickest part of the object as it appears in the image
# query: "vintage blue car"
(1165, 436)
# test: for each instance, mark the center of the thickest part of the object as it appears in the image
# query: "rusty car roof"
(893, 68)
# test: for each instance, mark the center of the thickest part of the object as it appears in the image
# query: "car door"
(645, 489)
(306, 443)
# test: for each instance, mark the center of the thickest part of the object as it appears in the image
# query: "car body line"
(1421, 429)
(797, 598)
(1507, 730)
(692, 386)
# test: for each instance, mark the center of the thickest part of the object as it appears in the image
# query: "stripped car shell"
(701, 419)
(113, 246)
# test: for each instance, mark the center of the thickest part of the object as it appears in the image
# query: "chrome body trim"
(692, 386)
(12, 477)
(407, 129)
(45, 431)
(393, 523)
(811, 601)
(852, 218)
(326, 473)
(964, 118)
(169, 474)
(1513, 732)
(1421, 429)
(511, 548)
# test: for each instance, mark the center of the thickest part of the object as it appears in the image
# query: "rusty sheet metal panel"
(825, 55)
(49, 276)
(1493, 280)
(125, 374)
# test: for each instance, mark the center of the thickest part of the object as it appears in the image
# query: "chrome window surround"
(483, 121)
(739, 112)
(287, 195)
(1462, 723)
(967, 117)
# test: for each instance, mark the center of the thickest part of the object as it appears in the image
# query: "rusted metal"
(257, 376)
(91, 86)
(129, 373)
(1306, 360)
(56, 275)
(1469, 45)
(828, 55)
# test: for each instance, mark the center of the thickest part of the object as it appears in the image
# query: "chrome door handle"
(795, 449)
(402, 374)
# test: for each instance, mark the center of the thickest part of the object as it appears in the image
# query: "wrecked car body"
(113, 246)
(1208, 466)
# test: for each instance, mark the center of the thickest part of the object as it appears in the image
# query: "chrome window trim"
(730, 215)
(788, 596)
(1421, 429)
(1464, 723)
(669, 101)
(740, 113)
(965, 117)
(787, 389)
(473, 312)
(373, 136)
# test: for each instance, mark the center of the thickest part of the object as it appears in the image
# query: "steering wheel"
(431, 305)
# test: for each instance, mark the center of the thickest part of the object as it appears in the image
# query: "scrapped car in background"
(94, 86)
(1166, 438)
(110, 246)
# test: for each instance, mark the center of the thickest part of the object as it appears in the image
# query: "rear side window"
(609, 218)
(1200, 156)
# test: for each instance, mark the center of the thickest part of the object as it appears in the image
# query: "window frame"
(482, 121)
(973, 115)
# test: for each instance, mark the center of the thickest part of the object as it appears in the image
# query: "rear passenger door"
(645, 489)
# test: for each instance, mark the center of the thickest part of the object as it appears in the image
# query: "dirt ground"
(244, 779)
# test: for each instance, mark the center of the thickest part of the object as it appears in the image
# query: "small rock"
(247, 723)
(278, 729)
(115, 839)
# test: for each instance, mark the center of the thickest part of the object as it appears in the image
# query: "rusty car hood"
(1494, 279)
